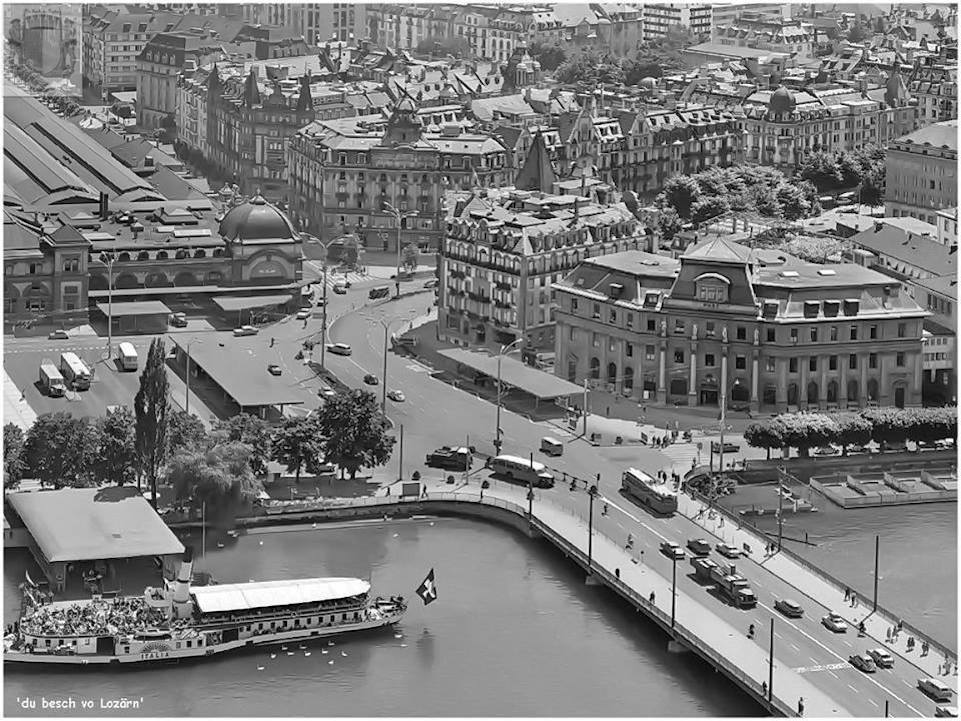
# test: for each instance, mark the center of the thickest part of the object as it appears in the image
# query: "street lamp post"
(592, 494)
(497, 431)
(673, 589)
(398, 215)
(770, 666)
(386, 323)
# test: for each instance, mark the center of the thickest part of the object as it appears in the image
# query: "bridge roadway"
(436, 414)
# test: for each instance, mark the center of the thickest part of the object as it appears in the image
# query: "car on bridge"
(881, 658)
(935, 689)
(834, 622)
(339, 349)
(863, 662)
(245, 330)
(791, 609)
(699, 547)
(370, 379)
(672, 550)
(728, 447)
(178, 320)
(727, 550)
(946, 711)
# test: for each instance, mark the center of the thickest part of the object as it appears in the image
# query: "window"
(832, 363)
(740, 362)
(769, 365)
(900, 360)
(613, 316)
(771, 335)
(813, 363)
(852, 361)
(792, 365)
(594, 341)
(570, 334)
(854, 332)
(834, 332)
(794, 335)
(814, 335)
(678, 355)
(651, 325)
(873, 332)
(902, 330)
(872, 360)
(630, 320)
(573, 305)
(678, 325)
(709, 328)
(649, 352)
(596, 313)
(741, 333)
(629, 350)
(709, 360)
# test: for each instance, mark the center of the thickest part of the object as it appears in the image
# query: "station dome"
(782, 101)
(648, 83)
(256, 220)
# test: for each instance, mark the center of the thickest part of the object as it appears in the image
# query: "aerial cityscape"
(481, 359)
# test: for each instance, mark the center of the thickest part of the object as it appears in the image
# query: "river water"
(515, 632)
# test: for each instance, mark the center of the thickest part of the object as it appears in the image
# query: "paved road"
(435, 414)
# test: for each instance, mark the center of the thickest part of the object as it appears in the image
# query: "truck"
(50, 379)
(75, 372)
(128, 356)
(455, 459)
(703, 567)
(733, 587)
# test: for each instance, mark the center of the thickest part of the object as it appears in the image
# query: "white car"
(727, 550)
(835, 623)
(245, 330)
(304, 313)
(396, 396)
(339, 349)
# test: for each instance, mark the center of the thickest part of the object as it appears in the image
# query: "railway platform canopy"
(514, 374)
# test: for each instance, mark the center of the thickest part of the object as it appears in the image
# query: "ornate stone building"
(770, 333)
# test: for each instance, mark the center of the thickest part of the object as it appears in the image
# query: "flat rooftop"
(144, 307)
(515, 374)
(92, 524)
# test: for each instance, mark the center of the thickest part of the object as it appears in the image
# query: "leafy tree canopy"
(355, 432)
(14, 455)
(117, 463)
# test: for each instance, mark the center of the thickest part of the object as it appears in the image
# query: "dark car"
(728, 447)
(59, 335)
(371, 380)
(699, 547)
(791, 609)
(274, 369)
(455, 459)
(863, 662)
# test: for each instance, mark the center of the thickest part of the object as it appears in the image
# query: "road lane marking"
(873, 702)
(795, 647)
(834, 674)
(835, 654)
(852, 688)
(609, 502)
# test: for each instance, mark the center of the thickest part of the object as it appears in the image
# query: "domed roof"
(648, 82)
(256, 220)
(782, 101)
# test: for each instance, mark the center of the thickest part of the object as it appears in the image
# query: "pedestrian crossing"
(682, 455)
(333, 278)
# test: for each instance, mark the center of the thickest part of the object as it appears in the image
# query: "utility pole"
(591, 494)
(585, 408)
(780, 507)
(770, 667)
(673, 589)
(323, 322)
(400, 460)
(383, 391)
(877, 556)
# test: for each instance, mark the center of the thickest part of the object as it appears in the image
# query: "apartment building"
(658, 17)
(922, 172)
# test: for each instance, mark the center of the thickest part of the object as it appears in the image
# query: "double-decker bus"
(659, 496)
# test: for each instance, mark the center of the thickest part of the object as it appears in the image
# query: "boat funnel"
(182, 585)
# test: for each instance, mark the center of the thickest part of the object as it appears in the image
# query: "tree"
(185, 432)
(549, 56)
(254, 432)
(669, 224)
(857, 33)
(887, 425)
(219, 477)
(297, 444)
(62, 450)
(355, 432)
(411, 256)
(853, 430)
(14, 455)
(711, 207)
(152, 408)
(590, 69)
(680, 192)
(764, 435)
(117, 447)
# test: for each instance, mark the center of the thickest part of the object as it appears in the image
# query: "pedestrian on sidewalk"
(651, 598)
(388, 491)
(272, 341)
(924, 648)
(800, 706)
(617, 573)
(847, 594)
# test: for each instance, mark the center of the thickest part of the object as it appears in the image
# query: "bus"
(522, 470)
(660, 497)
(381, 291)
(128, 356)
(75, 372)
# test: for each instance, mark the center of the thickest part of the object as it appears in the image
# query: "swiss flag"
(427, 590)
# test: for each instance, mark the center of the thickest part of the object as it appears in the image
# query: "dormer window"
(712, 288)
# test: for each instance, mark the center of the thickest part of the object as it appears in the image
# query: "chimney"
(104, 206)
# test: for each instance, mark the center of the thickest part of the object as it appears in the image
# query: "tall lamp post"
(673, 589)
(500, 356)
(187, 392)
(398, 215)
(323, 323)
(386, 323)
(108, 259)
(592, 494)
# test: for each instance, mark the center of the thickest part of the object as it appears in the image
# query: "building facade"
(343, 172)
(658, 17)
(755, 29)
(500, 257)
(113, 41)
(934, 82)
(922, 172)
(762, 331)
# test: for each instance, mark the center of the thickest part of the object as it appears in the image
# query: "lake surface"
(515, 632)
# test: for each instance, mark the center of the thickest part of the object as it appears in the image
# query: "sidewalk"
(16, 410)
(820, 589)
(178, 396)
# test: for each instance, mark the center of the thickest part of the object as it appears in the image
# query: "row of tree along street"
(884, 426)
(155, 443)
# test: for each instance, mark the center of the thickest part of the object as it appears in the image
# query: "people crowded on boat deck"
(126, 615)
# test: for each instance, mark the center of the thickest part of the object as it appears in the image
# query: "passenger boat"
(659, 496)
(182, 622)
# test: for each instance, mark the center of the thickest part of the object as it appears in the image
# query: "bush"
(415, 476)
(486, 484)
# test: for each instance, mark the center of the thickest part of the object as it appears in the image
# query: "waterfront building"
(934, 82)
(767, 330)
(783, 125)
(922, 172)
(343, 173)
(658, 17)
(502, 252)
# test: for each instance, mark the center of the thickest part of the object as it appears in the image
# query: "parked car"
(326, 392)
(370, 379)
(396, 396)
(339, 349)
(946, 711)
(727, 550)
(698, 547)
(881, 658)
(340, 288)
(936, 689)
(855, 448)
(455, 459)
(672, 550)
(304, 313)
(863, 662)
(791, 609)
(178, 320)
(826, 451)
(834, 623)
(58, 335)
(728, 447)
(245, 330)
(274, 369)
(321, 302)
(432, 283)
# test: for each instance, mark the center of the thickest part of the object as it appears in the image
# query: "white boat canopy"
(263, 594)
